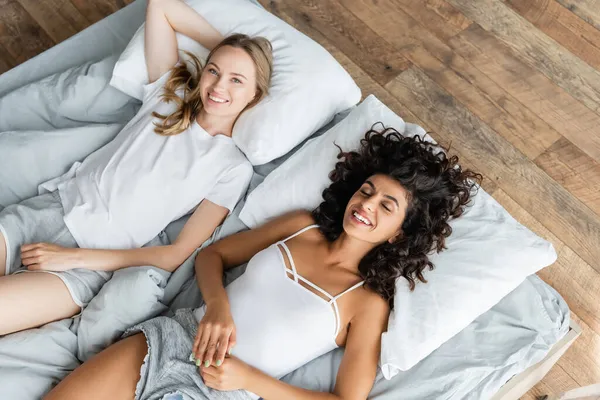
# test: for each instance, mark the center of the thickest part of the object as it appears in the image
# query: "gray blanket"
(58, 108)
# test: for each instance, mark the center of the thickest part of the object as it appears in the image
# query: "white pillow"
(308, 85)
(489, 253)
(299, 182)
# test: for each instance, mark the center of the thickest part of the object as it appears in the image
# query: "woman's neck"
(347, 252)
(215, 125)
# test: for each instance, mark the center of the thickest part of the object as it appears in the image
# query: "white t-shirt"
(126, 192)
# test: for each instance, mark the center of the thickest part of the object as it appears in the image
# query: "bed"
(58, 107)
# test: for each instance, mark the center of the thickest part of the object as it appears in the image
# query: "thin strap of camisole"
(338, 321)
(289, 255)
(294, 272)
(301, 231)
(359, 284)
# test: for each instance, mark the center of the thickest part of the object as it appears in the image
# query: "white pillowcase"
(489, 253)
(308, 85)
(299, 182)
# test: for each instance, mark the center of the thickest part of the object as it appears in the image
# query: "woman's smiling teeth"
(361, 218)
(216, 99)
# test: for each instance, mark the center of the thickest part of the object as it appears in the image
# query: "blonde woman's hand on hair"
(49, 257)
(216, 335)
(163, 19)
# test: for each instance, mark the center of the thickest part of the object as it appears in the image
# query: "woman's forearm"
(270, 388)
(165, 257)
(209, 275)
(187, 21)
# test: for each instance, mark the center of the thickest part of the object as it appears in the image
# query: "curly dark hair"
(438, 191)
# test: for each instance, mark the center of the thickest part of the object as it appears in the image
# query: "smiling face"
(228, 82)
(376, 211)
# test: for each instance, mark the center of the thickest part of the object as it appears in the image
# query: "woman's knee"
(32, 299)
(111, 374)
(136, 345)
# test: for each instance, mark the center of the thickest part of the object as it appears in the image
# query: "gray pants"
(40, 219)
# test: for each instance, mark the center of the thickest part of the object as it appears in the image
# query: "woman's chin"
(220, 111)
(350, 228)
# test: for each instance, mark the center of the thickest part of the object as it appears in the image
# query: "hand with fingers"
(233, 374)
(48, 257)
(216, 335)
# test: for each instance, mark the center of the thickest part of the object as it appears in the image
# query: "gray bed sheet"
(58, 107)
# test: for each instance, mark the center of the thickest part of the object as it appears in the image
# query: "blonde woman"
(174, 157)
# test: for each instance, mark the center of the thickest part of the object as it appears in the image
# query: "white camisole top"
(280, 324)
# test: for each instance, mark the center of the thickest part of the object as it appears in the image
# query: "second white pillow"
(287, 189)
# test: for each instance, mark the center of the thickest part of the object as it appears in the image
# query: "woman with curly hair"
(314, 282)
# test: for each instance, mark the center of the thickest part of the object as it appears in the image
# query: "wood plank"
(59, 18)
(366, 83)
(498, 109)
(6, 60)
(367, 49)
(587, 10)
(401, 29)
(570, 220)
(20, 35)
(107, 7)
(574, 170)
(551, 103)
(514, 121)
(90, 11)
(582, 360)
(441, 18)
(578, 283)
(573, 33)
(491, 103)
(557, 381)
(566, 70)
(369, 86)
(94, 11)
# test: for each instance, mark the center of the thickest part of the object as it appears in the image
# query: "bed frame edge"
(520, 384)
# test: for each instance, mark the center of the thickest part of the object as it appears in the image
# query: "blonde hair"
(190, 105)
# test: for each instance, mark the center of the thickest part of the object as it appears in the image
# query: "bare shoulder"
(369, 320)
(298, 219)
(240, 247)
(287, 224)
(372, 306)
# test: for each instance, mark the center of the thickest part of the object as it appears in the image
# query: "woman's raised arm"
(163, 19)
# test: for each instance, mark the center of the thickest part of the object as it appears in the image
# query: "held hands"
(48, 257)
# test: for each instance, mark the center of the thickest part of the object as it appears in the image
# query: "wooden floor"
(513, 86)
